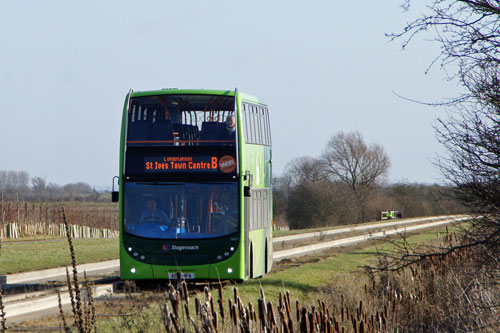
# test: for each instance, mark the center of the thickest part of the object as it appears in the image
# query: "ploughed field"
(103, 215)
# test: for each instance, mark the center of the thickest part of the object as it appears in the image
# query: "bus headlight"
(135, 252)
(132, 270)
(229, 270)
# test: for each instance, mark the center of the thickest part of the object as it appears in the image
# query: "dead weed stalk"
(84, 319)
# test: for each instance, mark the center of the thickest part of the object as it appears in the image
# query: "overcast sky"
(322, 67)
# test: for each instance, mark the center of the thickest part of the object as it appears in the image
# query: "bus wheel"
(251, 261)
(266, 266)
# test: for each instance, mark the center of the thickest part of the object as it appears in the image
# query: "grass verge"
(305, 276)
(21, 256)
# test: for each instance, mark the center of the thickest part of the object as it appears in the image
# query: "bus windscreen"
(181, 210)
(181, 120)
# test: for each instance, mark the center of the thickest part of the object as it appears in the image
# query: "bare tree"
(281, 190)
(472, 140)
(15, 183)
(305, 169)
(39, 185)
(469, 36)
(468, 32)
(77, 190)
(320, 203)
(347, 158)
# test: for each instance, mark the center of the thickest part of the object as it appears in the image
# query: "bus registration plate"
(173, 276)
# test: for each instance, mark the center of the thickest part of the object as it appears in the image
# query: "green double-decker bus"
(195, 189)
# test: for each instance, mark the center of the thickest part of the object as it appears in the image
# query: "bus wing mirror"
(247, 191)
(248, 176)
(115, 195)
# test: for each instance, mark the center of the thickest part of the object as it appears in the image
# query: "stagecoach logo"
(180, 248)
(227, 164)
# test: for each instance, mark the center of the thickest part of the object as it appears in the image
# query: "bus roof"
(175, 91)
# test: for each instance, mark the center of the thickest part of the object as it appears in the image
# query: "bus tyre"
(266, 266)
(251, 261)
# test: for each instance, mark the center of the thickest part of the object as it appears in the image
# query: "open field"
(91, 214)
(40, 253)
(309, 278)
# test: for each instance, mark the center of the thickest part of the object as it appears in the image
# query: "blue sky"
(322, 66)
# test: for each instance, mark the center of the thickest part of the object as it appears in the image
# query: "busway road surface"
(21, 307)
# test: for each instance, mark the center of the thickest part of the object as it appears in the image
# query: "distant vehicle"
(195, 186)
(389, 215)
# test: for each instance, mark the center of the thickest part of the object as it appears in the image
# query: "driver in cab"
(153, 214)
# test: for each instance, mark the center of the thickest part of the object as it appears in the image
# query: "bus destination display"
(186, 164)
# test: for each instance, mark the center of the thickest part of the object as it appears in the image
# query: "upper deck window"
(177, 120)
(256, 124)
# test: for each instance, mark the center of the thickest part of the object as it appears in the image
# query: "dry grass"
(83, 312)
(453, 292)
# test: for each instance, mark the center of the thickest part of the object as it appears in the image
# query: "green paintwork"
(254, 159)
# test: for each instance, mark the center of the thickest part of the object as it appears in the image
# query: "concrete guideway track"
(393, 223)
(302, 250)
(59, 273)
(19, 310)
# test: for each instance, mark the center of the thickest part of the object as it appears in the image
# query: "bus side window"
(256, 124)
(248, 125)
(262, 124)
(253, 124)
(268, 127)
(244, 121)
